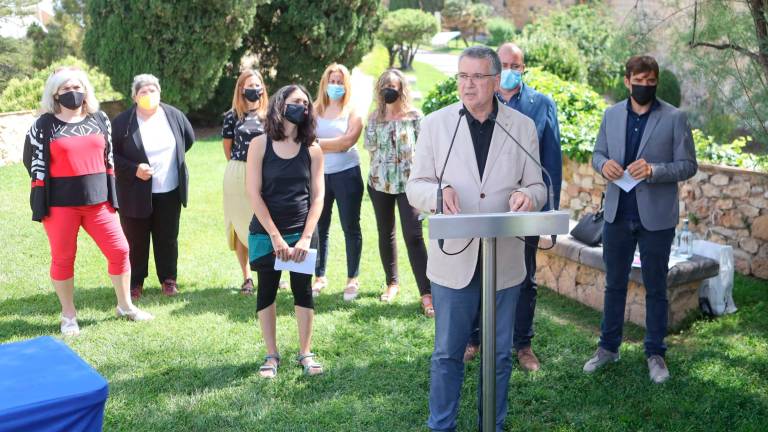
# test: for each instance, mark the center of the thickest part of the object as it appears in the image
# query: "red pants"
(100, 222)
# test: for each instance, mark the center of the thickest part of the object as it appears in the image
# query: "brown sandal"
(426, 306)
(247, 287)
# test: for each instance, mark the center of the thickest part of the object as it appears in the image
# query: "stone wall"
(13, 127)
(725, 205)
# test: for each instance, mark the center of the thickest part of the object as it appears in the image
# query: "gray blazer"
(667, 145)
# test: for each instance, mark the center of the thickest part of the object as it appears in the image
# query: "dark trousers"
(269, 281)
(619, 241)
(526, 304)
(163, 226)
(384, 209)
(346, 188)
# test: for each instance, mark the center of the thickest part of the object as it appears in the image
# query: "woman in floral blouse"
(242, 123)
(390, 138)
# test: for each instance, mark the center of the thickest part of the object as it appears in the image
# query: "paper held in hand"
(307, 266)
(626, 182)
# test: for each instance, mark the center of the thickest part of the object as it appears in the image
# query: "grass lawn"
(194, 368)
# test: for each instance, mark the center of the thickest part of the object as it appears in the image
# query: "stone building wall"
(13, 127)
(725, 205)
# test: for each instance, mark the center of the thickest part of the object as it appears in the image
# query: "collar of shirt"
(473, 122)
(654, 106)
(515, 97)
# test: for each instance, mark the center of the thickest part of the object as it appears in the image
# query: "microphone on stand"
(550, 193)
(439, 206)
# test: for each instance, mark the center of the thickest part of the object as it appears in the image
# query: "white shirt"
(160, 147)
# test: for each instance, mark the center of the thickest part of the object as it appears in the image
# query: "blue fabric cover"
(45, 386)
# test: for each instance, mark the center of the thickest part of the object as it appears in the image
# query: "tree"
(467, 17)
(185, 44)
(402, 31)
(15, 60)
(62, 37)
(728, 44)
(296, 39)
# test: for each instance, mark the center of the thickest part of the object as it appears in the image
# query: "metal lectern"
(489, 227)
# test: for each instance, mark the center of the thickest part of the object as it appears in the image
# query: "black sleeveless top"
(285, 185)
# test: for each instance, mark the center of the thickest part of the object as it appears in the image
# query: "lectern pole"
(488, 344)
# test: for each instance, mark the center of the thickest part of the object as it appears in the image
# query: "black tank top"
(285, 185)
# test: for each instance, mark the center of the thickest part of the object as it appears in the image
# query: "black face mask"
(295, 113)
(643, 94)
(72, 99)
(252, 94)
(390, 95)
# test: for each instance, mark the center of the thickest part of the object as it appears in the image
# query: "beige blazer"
(507, 170)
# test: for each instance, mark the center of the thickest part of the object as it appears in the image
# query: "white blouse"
(160, 147)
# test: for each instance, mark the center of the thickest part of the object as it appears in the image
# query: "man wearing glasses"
(487, 172)
(514, 93)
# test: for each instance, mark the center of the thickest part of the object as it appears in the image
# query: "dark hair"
(641, 64)
(483, 52)
(305, 132)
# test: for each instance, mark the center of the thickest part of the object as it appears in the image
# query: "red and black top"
(74, 158)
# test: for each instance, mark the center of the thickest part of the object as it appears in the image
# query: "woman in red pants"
(68, 153)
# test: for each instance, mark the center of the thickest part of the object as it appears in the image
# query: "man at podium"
(475, 151)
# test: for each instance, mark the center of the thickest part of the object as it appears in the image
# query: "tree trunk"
(758, 10)
(392, 53)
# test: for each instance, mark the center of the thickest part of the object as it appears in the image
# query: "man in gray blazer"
(651, 141)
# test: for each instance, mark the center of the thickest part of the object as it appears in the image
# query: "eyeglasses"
(464, 77)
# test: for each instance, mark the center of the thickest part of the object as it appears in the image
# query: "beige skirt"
(237, 206)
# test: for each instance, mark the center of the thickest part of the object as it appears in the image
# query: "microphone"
(550, 193)
(439, 206)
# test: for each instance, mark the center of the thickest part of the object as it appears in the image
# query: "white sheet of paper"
(307, 266)
(626, 182)
(673, 261)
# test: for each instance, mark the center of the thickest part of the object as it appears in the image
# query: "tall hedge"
(296, 39)
(185, 44)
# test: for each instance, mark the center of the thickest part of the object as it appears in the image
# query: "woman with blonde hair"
(338, 128)
(68, 154)
(242, 123)
(390, 139)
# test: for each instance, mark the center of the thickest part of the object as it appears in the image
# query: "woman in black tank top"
(284, 178)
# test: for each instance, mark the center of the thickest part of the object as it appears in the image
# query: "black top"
(241, 132)
(135, 194)
(285, 185)
(482, 133)
(627, 207)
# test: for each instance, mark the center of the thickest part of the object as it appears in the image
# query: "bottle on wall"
(685, 247)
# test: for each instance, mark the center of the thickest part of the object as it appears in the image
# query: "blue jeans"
(346, 188)
(526, 304)
(455, 313)
(619, 240)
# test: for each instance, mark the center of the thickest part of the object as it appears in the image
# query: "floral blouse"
(391, 145)
(241, 132)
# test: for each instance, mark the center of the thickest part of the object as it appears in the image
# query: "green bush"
(500, 31)
(25, 94)
(185, 44)
(668, 89)
(601, 48)
(556, 55)
(732, 154)
(15, 60)
(579, 109)
(298, 39)
(425, 5)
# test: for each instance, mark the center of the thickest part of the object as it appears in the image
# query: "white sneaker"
(351, 291)
(133, 314)
(69, 326)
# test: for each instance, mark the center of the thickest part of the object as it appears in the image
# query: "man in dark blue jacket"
(542, 110)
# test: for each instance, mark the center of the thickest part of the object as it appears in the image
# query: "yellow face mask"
(148, 101)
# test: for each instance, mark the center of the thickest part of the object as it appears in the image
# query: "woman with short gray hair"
(151, 139)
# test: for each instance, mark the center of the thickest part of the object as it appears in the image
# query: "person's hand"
(300, 249)
(519, 201)
(612, 170)
(282, 250)
(144, 171)
(640, 169)
(450, 201)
